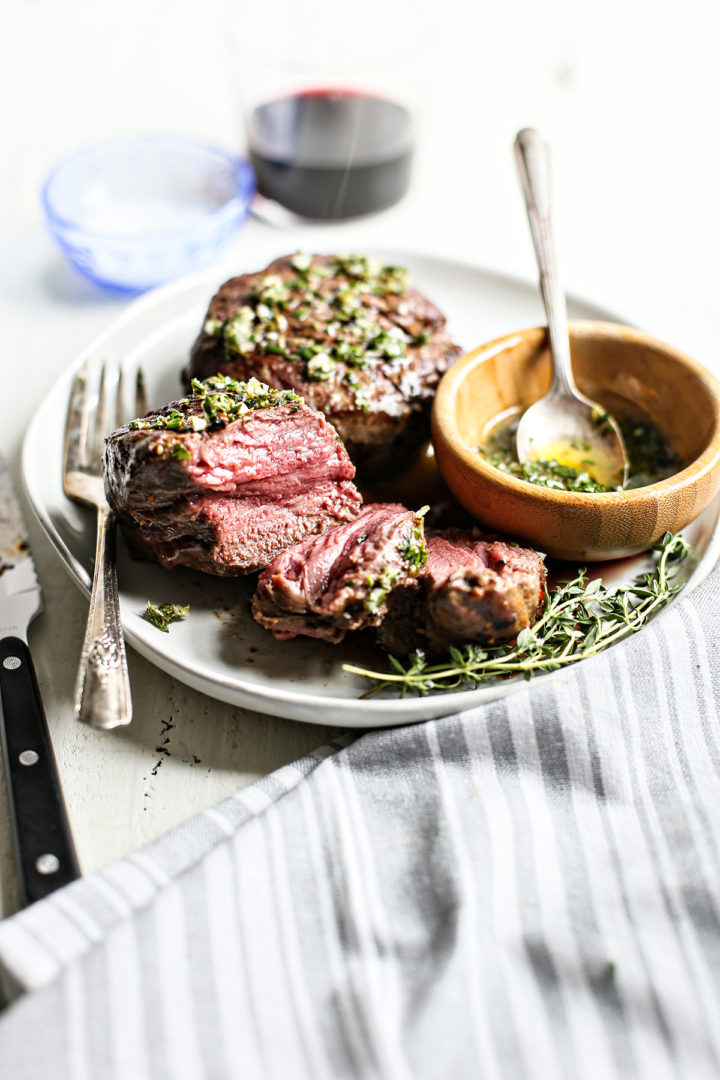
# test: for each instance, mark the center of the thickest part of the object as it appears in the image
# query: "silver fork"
(102, 687)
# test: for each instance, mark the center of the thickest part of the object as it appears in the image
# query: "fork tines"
(91, 416)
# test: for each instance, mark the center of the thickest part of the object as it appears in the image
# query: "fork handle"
(102, 689)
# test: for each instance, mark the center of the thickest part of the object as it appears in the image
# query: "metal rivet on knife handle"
(47, 864)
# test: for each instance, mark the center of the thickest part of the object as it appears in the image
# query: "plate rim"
(378, 712)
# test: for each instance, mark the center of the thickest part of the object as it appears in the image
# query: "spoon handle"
(532, 157)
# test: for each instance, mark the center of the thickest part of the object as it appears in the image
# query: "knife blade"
(43, 841)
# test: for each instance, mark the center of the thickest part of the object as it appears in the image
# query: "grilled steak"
(470, 590)
(351, 337)
(327, 585)
(227, 477)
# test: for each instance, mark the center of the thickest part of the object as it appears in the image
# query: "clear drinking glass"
(330, 99)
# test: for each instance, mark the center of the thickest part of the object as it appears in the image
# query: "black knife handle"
(43, 841)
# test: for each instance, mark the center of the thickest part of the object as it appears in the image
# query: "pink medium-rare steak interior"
(471, 590)
(452, 550)
(226, 536)
(327, 585)
(272, 452)
(312, 571)
(225, 479)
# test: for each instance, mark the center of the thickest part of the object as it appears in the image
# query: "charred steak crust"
(328, 585)
(224, 479)
(354, 339)
(471, 590)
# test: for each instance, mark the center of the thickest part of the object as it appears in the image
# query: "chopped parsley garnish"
(379, 587)
(413, 552)
(359, 392)
(413, 549)
(320, 367)
(301, 262)
(161, 615)
(222, 400)
(326, 316)
(271, 289)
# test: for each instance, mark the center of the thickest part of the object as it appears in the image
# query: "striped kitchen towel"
(529, 889)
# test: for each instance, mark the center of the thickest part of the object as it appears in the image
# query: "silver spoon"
(564, 425)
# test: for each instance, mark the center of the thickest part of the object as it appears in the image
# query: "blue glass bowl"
(133, 213)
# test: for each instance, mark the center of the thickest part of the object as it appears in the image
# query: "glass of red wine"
(330, 97)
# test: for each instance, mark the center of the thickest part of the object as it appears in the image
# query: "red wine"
(331, 153)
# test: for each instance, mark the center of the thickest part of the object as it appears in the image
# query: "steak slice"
(471, 590)
(350, 336)
(327, 585)
(226, 478)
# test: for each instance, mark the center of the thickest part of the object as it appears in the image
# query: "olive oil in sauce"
(573, 466)
(581, 458)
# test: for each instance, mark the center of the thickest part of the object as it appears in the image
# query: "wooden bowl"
(626, 371)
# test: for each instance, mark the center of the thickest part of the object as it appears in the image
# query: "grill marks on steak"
(227, 499)
(328, 585)
(379, 404)
(469, 591)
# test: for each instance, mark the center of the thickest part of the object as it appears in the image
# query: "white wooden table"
(627, 94)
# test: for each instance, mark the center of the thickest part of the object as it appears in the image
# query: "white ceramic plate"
(219, 649)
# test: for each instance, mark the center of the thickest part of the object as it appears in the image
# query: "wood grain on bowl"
(627, 371)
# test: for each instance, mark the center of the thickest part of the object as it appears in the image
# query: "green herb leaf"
(379, 588)
(222, 400)
(525, 640)
(301, 262)
(161, 615)
(413, 549)
(320, 367)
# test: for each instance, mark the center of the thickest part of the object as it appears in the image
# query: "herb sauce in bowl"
(627, 371)
(572, 468)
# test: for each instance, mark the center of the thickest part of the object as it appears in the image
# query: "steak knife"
(43, 841)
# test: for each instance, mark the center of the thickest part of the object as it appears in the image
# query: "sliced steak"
(226, 478)
(469, 591)
(351, 337)
(327, 585)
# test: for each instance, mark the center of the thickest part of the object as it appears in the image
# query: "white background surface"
(628, 95)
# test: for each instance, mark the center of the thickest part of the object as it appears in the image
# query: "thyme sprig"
(580, 619)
